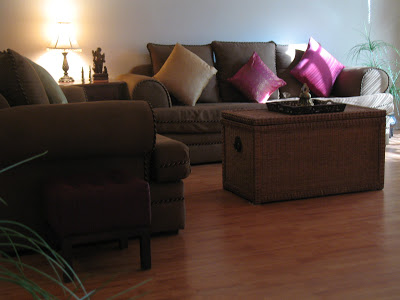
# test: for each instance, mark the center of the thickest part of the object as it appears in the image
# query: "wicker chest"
(269, 156)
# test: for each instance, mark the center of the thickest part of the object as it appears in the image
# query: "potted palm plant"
(383, 55)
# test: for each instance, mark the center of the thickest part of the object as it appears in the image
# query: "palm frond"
(23, 161)
(379, 54)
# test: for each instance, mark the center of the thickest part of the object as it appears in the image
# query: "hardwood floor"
(337, 247)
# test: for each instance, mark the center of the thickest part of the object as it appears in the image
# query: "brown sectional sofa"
(199, 126)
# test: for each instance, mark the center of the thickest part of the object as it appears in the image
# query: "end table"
(113, 90)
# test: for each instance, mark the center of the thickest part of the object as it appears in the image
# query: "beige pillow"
(185, 75)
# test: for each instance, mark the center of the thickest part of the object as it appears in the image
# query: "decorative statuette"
(98, 60)
(305, 96)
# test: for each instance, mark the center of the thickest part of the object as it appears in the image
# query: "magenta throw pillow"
(318, 68)
(255, 80)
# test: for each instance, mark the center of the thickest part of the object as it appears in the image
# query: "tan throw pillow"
(160, 53)
(185, 75)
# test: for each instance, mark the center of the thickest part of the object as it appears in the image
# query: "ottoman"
(88, 208)
(270, 156)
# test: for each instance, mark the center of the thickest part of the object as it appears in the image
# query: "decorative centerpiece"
(306, 105)
(100, 74)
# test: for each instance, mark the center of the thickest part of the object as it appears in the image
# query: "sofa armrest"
(77, 130)
(3, 102)
(170, 160)
(74, 93)
(147, 88)
(359, 81)
(145, 69)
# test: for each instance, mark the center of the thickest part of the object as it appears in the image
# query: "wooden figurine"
(305, 96)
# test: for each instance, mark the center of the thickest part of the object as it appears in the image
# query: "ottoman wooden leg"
(145, 251)
(123, 242)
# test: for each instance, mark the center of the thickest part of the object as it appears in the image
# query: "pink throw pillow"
(255, 80)
(318, 68)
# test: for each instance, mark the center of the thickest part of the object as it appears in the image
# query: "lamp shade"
(64, 38)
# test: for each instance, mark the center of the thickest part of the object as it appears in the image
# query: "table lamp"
(65, 41)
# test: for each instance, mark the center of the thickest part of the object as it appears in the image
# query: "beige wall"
(123, 27)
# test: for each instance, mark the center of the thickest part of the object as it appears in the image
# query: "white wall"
(123, 27)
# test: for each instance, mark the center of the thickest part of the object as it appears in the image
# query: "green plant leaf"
(23, 162)
(382, 55)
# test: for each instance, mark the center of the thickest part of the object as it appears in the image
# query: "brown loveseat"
(82, 137)
(199, 126)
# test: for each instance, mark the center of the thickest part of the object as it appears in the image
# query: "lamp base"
(66, 79)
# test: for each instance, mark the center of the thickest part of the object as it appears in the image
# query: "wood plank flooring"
(337, 247)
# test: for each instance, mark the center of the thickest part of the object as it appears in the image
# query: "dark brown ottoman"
(270, 156)
(97, 207)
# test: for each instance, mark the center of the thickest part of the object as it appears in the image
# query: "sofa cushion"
(318, 69)
(160, 53)
(202, 118)
(287, 57)
(185, 75)
(255, 80)
(53, 90)
(231, 56)
(20, 84)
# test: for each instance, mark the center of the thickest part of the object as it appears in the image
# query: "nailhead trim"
(174, 164)
(169, 200)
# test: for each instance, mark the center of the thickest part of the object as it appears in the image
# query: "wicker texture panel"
(329, 154)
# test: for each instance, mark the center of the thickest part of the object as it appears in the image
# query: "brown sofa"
(89, 137)
(83, 137)
(199, 126)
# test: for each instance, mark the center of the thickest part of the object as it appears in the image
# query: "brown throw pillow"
(20, 84)
(185, 75)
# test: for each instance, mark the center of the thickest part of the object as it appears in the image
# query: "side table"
(113, 90)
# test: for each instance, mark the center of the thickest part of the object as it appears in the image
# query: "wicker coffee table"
(269, 156)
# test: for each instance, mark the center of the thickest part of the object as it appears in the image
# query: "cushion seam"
(17, 75)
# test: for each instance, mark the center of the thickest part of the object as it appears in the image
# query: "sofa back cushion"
(20, 84)
(231, 56)
(160, 53)
(287, 57)
(53, 90)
